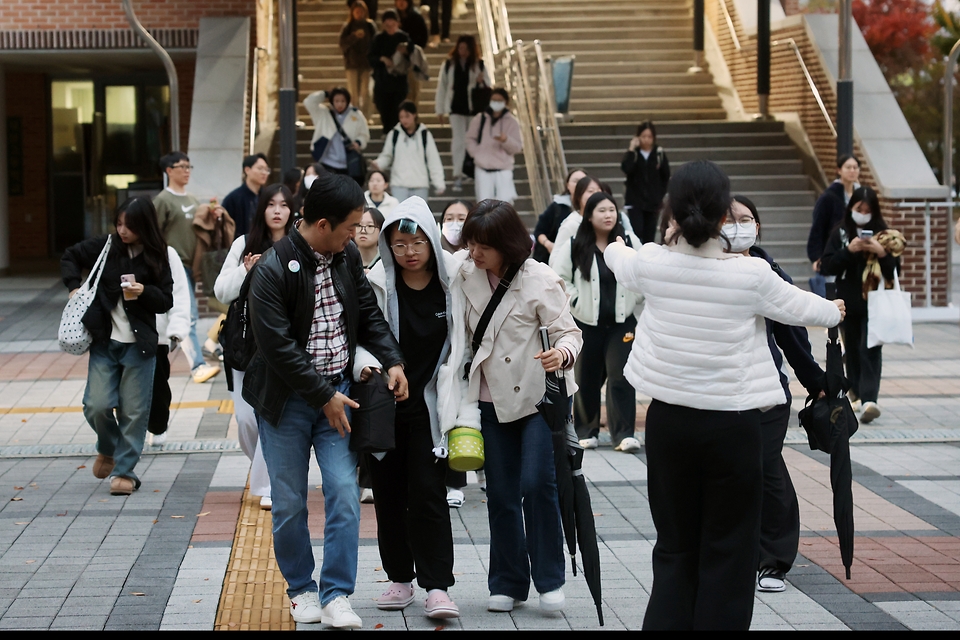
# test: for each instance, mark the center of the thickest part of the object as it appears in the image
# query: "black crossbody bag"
(356, 164)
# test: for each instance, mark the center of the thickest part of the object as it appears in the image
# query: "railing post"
(288, 92)
(845, 81)
(763, 59)
(697, 37)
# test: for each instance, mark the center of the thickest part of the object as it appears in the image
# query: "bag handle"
(492, 306)
(98, 265)
(346, 141)
(896, 280)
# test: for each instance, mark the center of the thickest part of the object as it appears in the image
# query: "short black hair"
(843, 157)
(339, 91)
(376, 215)
(752, 208)
(496, 224)
(409, 106)
(332, 196)
(249, 161)
(500, 91)
(167, 161)
(699, 195)
(390, 14)
(292, 176)
(645, 125)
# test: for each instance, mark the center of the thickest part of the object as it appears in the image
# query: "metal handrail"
(525, 74)
(813, 87)
(733, 30)
(254, 90)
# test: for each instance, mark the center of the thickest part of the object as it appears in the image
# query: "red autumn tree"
(898, 32)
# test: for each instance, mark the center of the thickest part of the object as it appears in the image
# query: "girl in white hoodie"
(413, 287)
(410, 154)
(701, 353)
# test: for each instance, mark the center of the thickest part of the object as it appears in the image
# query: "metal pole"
(171, 73)
(697, 37)
(763, 58)
(845, 81)
(288, 91)
(927, 244)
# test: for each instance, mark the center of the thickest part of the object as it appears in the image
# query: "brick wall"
(790, 92)
(108, 14)
(28, 213)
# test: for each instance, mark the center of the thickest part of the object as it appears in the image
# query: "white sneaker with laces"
(204, 372)
(870, 412)
(339, 614)
(590, 443)
(366, 496)
(157, 439)
(306, 607)
(628, 445)
(455, 498)
(500, 603)
(552, 600)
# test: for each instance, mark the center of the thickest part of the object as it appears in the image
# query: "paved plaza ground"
(192, 549)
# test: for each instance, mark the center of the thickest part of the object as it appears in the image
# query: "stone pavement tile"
(919, 618)
(31, 622)
(80, 622)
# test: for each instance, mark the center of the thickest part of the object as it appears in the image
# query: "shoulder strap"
(423, 135)
(492, 306)
(336, 123)
(396, 136)
(483, 121)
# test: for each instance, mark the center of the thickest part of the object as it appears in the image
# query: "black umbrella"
(576, 512)
(829, 423)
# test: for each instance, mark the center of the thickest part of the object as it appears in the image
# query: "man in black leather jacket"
(310, 306)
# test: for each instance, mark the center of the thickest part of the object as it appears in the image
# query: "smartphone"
(132, 279)
(865, 234)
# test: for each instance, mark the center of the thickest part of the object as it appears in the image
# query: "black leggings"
(704, 483)
(864, 366)
(602, 359)
(160, 407)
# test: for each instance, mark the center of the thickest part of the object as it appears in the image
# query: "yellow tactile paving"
(254, 593)
(870, 512)
(223, 406)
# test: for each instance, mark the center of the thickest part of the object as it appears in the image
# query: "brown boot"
(102, 466)
(120, 486)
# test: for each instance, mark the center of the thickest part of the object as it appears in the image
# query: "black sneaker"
(770, 580)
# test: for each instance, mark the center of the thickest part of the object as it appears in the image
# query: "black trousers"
(705, 489)
(435, 16)
(602, 359)
(160, 407)
(410, 497)
(645, 224)
(863, 365)
(456, 479)
(780, 513)
(388, 99)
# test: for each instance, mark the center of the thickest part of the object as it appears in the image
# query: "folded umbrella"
(576, 512)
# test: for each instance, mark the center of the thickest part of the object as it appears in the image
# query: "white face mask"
(741, 237)
(308, 181)
(497, 105)
(861, 219)
(451, 231)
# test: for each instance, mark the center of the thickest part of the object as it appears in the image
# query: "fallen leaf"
(189, 546)
(60, 515)
(483, 501)
(104, 500)
(155, 521)
(33, 484)
(440, 628)
(206, 579)
(378, 626)
(15, 499)
(386, 580)
(176, 516)
(30, 561)
(137, 593)
(597, 515)
(378, 569)
(205, 513)
(18, 488)
(156, 490)
(198, 600)
(83, 466)
(21, 523)
(23, 420)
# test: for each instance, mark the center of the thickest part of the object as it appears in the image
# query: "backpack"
(423, 136)
(236, 338)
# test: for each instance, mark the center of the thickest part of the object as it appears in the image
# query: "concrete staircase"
(632, 61)
(321, 67)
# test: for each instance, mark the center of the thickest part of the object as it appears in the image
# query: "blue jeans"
(119, 377)
(526, 538)
(286, 450)
(192, 349)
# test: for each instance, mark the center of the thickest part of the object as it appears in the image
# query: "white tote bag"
(889, 320)
(74, 337)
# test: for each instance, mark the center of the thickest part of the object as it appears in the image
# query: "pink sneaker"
(396, 597)
(439, 605)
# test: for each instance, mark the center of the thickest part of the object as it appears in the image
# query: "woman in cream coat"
(701, 353)
(507, 376)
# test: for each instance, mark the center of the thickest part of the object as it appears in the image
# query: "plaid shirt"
(327, 343)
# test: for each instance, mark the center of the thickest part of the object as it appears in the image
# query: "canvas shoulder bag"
(73, 335)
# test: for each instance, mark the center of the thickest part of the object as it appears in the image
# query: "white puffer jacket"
(175, 323)
(701, 339)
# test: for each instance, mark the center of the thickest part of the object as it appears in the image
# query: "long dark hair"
(752, 208)
(876, 224)
(582, 185)
(471, 43)
(140, 216)
(259, 238)
(584, 243)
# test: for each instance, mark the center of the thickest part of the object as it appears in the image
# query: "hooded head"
(411, 217)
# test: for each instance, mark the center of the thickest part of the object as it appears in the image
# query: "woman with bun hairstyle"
(701, 354)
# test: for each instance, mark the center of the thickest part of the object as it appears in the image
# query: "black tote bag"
(372, 426)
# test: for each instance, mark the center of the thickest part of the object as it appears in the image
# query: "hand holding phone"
(131, 291)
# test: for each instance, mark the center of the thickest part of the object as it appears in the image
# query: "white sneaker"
(770, 580)
(158, 438)
(266, 503)
(500, 603)
(482, 479)
(339, 614)
(552, 600)
(455, 498)
(628, 445)
(306, 607)
(870, 412)
(366, 496)
(590, 443)
(204, 372)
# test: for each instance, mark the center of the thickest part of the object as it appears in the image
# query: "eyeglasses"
(401, 249)
(185, 167)
(746, 221)
(365, 228)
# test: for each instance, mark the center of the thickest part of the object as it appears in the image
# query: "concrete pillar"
(4, 202)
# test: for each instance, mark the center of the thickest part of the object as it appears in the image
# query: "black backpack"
(236, 338)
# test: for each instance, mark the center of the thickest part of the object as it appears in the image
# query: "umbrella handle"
(544, 339)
